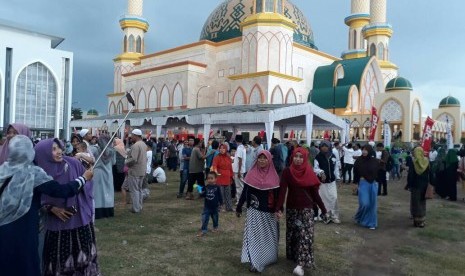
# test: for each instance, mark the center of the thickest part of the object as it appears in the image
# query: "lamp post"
(338, 75)
(198, 92)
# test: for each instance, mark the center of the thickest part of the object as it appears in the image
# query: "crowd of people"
(71, 184)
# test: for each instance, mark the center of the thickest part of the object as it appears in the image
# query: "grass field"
(162, 239)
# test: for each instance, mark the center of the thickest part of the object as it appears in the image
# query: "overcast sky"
(427, 45)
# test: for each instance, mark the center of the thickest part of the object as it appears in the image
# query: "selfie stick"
(133, 105)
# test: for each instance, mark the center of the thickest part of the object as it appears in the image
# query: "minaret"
(134, 27)
(358, 19)
(377, 34)
(267, 39)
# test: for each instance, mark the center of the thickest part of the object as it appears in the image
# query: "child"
(213, 200)
(158, 175)
(83, 155)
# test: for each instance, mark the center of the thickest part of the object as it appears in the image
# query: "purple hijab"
(63, 172)
(22, 130)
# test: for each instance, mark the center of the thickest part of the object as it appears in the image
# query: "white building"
(35, 81)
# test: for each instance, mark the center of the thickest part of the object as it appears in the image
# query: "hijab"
(420, 162)
(330, 148)
(63, 172)
(263, 178)
(16, 199)
(451, 158)
(109, 152)
(303, 174)
(119, 147)
(22, 130)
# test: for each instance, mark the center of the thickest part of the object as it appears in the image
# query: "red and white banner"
(374, 123)
(326, 135)
(427, 136)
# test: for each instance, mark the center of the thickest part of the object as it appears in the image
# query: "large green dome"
(449, 101)
(399, 83)
(224, 22)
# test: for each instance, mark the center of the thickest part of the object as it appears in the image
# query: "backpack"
(390, 163)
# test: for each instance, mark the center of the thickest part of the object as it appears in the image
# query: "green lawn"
(162, 240)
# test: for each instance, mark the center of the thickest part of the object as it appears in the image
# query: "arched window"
(239, 97)
(380, 51)
(153, 98)
(255, 96)
(36, 97)
(372, 50)
(277, 96)
(177, 95)
(119, 109)
(291, 98)
(125, 44)
(165, 97)
(279, 7)
(141, 100)
(131, 43)
(391, 111)
(355, 39)
(139, 45)
(259, 6)
(112, 108)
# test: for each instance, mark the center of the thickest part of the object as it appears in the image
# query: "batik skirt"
(71, 252)
(299, 237)
(261, 236)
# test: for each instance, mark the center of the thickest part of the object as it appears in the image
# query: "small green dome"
(449, 101)
(399, 83)
(92, 112)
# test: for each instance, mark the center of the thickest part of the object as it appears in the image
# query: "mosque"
(263, 52)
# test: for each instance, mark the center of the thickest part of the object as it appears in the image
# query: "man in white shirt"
(432, 155)
(239, 166)
(348, 162)
(159, 175)
(335, 151)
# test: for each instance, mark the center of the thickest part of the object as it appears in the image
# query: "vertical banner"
(374, 123)
(427, 135)
(346, 137)
(450, 139)
(291, 135)
(387, 134)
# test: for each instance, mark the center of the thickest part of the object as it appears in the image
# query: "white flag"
(450, 139)
(387, 134)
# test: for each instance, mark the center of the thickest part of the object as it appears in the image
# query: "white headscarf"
(16, 199)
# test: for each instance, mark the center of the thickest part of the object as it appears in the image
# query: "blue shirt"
(213, 197)
(187, 153)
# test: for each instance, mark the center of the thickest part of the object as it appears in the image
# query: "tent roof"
(241, 115)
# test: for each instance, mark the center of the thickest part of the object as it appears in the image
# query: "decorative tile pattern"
(224, 22)
(360, 6)
(391, 111)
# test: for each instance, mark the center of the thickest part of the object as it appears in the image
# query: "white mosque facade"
(263, 52)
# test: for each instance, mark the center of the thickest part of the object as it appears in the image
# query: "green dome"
(399, 83)
(225, 22)
(92, 112)
(449, 101)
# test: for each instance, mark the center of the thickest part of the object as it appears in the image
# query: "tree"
(76, 113)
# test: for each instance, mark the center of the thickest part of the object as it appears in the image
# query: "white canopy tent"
(282, 117)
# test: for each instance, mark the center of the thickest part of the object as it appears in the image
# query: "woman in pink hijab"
(12, 131)
(261, 233)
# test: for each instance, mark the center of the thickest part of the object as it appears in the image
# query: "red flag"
(148, 135)
(210, 135)
(427, 135)
(291, 135)
(262, 134)
(374, 123)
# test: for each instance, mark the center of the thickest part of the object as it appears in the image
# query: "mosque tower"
(134, 27)
(377, 34)
(358, 19)
(267, 39)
